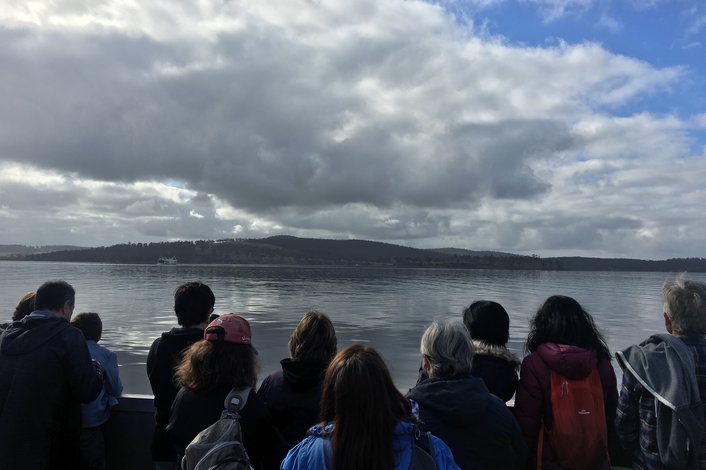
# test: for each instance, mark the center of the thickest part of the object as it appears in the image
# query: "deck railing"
(128, 433)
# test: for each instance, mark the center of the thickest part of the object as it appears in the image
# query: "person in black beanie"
(489, 326)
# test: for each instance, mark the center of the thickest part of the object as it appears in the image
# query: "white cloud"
(609, 23)
(700, 120)
(556, 9)
(697, 24)
(374, 119)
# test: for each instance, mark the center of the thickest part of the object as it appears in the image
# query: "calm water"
(387, 308)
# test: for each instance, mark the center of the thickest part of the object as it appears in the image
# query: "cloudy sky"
(532, 126)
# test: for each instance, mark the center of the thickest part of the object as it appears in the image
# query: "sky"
(549, 127)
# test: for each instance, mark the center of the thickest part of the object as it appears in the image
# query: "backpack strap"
(422, 451)
(236, 399)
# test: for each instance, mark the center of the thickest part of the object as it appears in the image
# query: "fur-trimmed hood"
(482, 348)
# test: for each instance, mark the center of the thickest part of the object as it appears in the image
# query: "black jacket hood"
(30, 333)
(302, 375)
(458, 401)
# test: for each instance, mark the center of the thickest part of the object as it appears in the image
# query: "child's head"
(90, 325)
(487, 321)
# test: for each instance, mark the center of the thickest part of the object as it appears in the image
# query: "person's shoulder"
(533, 360)
(499, 416)
(274, 377)
(442, 455)
(255, 406)
(103, 350)
(71, 333)
(308, 454)
(155, 344)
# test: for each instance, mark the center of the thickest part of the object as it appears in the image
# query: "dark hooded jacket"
(293, 396)
(475, 424)
(532, 406)
(497, 366)
(45, 374)
(165, 354)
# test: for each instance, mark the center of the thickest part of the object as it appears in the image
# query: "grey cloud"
(358, 222)
(29, 198)
(406, 131)
(245, 130)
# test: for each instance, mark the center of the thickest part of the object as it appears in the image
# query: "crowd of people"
(475, 405)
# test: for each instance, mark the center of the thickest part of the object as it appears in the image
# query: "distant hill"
(312, 251)
(10, 250)
(463, 252)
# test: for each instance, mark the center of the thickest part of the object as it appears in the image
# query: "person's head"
(90, 325)
(684, 304)
(225, 357)
(487, 321)
(193, 303)
(363, 402)
(447, 350)
(56, 296)
(24, 307)
(314, 339)
(562, 320)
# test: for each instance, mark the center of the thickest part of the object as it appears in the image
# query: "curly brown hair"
(208, 365)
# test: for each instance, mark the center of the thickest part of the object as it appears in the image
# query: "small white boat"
(167, 261)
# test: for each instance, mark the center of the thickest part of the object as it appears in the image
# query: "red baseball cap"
(231, 328)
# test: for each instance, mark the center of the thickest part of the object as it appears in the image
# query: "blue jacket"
(313, 452)
(98, 411)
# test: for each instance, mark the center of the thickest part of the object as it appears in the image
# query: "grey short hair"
(448, 348)
(685, 306)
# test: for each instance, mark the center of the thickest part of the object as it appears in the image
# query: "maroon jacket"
(532, 406)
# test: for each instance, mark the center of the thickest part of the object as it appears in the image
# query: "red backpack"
(579, 436)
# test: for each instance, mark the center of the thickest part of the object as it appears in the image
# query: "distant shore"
(287, 250)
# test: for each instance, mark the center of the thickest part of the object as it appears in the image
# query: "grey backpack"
(220, 446)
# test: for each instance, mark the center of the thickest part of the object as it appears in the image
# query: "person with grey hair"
(660, 416)
(458, 408)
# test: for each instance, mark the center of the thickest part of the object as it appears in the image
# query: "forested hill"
(293, 250)
(11, 250)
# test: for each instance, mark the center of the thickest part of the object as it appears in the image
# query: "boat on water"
(167, 261)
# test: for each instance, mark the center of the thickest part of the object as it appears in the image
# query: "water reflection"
(388, 308)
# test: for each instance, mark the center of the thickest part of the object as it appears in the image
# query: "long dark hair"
(360, 398)
(207, 365)
(562, 320)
